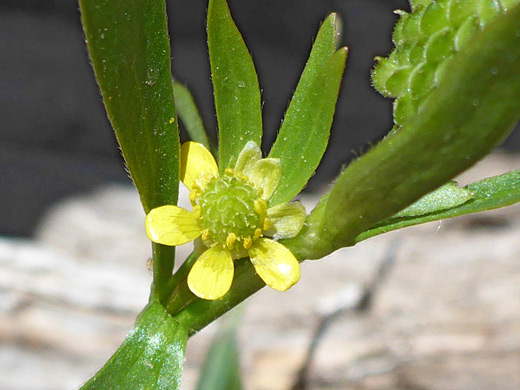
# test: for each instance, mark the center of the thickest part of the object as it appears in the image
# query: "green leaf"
(221, 369)
(472, 110)
(151, 357)
(129, 48)
(235, 84)
(190, 117)
(305, 130)
(445, 197)
(130, 52)
(488, 194)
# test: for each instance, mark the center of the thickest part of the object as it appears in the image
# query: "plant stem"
(200, 313)
(178, 293)
(163, 261)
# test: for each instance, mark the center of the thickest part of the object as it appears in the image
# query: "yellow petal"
(171, 225)
(212, 274)
(266, 174)
(286, 220)
(197, 165)
(247, 158)
(275, 264)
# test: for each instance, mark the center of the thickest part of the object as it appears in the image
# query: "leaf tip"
(338, 28)
(343, 52)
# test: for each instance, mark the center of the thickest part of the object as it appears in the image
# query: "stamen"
(193, 196)
(205, 235)
(267, 224)
(258, 233)
(260, 207)
(247, 243)
(230, 240)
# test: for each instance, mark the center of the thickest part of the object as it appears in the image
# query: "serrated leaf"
(473, 109)
(221, 370)
(151, 357)
(130, 52)
(235, 85)
(189, 115)
(304, 134)
(488, 194)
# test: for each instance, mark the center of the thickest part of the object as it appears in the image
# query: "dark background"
(56, 141)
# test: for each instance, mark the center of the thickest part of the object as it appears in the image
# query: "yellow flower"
(232, 219)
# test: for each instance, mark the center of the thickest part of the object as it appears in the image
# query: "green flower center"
(231, 212)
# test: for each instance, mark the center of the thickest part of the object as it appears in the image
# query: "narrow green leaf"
(130, 52)
(305, 131)
(221, 369)
(488, 194)
(189, 116)
(235, 84)
(151, 357)
(473, 109)
(129, 48)
(445, 197)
